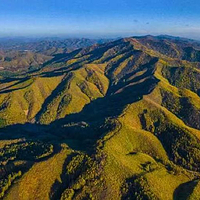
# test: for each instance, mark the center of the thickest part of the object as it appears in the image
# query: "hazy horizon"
(65, 37)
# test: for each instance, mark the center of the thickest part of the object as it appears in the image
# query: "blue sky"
(99, 18)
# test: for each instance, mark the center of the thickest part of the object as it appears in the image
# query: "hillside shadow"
(184, 190)
(62, 57)
(26, 131)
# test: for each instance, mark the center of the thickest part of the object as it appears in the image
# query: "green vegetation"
(120, 120)
(25, 151)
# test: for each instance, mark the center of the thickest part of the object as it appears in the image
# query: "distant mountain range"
(87, 119)
(21, 54)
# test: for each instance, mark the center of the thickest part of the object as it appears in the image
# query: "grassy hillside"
(120, 120)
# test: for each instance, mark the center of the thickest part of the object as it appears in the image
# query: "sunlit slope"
(77, 89)
(49, 98)
(22, 100)
(42, 179)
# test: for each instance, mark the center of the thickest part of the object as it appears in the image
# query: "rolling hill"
(118, 120)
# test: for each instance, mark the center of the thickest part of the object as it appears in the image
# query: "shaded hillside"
(118, 120)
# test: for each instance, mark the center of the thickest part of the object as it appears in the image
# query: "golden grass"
(38, 181)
